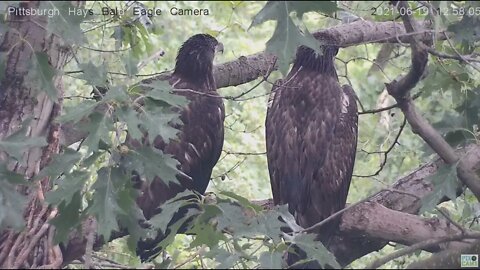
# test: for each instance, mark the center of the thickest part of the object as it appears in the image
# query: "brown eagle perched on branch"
(200, 138)
(311, 137)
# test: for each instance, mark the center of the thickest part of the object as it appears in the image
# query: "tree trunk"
(20, 99)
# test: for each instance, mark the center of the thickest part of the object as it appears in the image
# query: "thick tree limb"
(394, 210)
(249, 68)
(376, 221)
(386, 216)
(358, 237)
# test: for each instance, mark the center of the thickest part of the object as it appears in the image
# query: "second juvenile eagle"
(311, 137)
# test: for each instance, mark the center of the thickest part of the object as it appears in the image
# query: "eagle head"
(323, 62)
(195, 57)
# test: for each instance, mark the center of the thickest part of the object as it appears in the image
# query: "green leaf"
(234, 220)
(68, 186)
(78, 112)
(163, 91)
(118, 35)
(152, 162)
(131, 117)
(68, 217)
(160, 121)
(94, 75)
(468, 29)
(314, 249)
(271, 260)
(205, 234)
(173, 231)
(11, 177)
(118, 94)
(12, 206)
(273, 9)
(130, 63)
(445, 184)
(40, 75)
(90, 161)
(287, 37)
(61, 163)
(65, 23)
(133, 214)
(243, 201)
(17, 143)
(287, 217)
(105, 202)
(12, 203)
(227, 260)
(169, 208)
(98, 128)
(268, 224)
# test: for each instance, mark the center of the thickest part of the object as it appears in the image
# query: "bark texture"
(22, 99)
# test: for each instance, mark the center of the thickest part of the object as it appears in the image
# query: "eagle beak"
(219, 48)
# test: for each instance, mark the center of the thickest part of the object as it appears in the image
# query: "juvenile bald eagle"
(311, 137)
(200, 139)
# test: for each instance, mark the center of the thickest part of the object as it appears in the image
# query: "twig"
(417, 95)
(461, 58)
(447, 216)
(385, 153)
(90, 231)
(245, 153)
(199, 252)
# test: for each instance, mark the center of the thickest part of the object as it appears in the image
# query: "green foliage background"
(449, 97)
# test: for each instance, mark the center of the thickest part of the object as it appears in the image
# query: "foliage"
(93, 178)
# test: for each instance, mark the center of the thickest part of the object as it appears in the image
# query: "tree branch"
(388, 215)
(447, 259)
(357, 237)
(400, 90)
(249, 68)
(422, 245)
